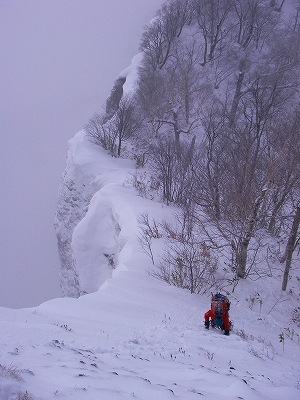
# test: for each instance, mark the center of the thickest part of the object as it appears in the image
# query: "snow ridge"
(86, 221)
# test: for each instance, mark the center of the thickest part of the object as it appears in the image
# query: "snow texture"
(136, 337)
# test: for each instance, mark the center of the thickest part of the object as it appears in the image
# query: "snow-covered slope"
(136, 337)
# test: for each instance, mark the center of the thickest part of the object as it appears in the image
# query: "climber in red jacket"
(218, 313)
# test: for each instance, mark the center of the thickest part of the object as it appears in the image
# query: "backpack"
(220, 305)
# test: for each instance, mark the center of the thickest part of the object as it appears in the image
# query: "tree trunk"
(241, 257)
(242, 250)
(278, 205)
(290, 247)
(237, 94)
(119, 145)
(177, 132)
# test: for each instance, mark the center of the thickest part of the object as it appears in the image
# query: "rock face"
(112, 103)
(74, 197)
(123, 85)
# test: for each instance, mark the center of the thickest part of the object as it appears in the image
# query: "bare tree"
(284, 167)
(162, 164)
(243, 175)
(173, 172)
(125, 122)
(213, 22)
(290, 247)
(209, 164)
(255, 24)
(152, 98)
(148, 232)
(188, 262)
(187, 81)
(175, 122)
(158, 38)
(101, 133)
(94, 128)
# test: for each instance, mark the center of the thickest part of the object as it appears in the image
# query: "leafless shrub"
(101, 133)
(24, 396)
(189, 265)
(296, 316)
(292, 334)
(187, 261)
(242, 334)
(141, 181)
(94, 128)
(148, 231)
(10, 371)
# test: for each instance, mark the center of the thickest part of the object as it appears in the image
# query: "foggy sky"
(58, 61)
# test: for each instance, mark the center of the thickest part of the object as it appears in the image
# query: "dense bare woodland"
(214, 127)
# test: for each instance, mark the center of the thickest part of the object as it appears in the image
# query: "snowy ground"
(138, 338)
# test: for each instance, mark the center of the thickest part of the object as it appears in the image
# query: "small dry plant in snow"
(10, 371)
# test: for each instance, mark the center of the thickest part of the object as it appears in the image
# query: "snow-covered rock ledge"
(89, 222)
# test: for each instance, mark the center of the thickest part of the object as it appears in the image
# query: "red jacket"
(210, 314)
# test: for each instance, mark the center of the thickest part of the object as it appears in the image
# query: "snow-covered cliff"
(87, 222)
(87, 228)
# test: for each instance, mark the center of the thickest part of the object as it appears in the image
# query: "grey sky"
(59, 59)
